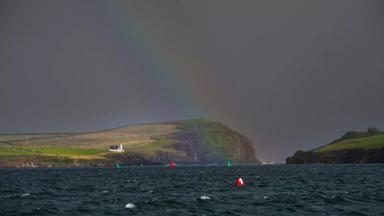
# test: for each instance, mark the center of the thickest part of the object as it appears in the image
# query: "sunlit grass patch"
(47, 150)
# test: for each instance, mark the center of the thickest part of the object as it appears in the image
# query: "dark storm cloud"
(288, 74)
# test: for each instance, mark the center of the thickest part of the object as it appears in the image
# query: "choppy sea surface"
(195, 190)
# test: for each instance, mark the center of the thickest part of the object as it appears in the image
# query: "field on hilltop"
(373, 142)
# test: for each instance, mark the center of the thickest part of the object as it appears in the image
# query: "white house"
(116, 148)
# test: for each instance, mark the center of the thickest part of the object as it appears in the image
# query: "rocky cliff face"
(201, 142)
(212, 142)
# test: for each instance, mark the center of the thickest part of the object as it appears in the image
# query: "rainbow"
(164, 60)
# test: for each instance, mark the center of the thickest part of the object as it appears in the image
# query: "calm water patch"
(268, 190)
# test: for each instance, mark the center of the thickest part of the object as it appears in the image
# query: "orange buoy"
(239, 182)
(171, 164)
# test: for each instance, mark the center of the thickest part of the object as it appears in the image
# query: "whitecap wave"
(130, 206)
(25, 194)
(205, 198)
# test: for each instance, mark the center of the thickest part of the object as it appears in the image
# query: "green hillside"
(191, 141)
(372, 142)
(352, 147)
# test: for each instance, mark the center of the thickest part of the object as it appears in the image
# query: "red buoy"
(239, 182)
(171, 164)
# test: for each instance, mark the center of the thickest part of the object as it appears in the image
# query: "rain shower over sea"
(195, 190)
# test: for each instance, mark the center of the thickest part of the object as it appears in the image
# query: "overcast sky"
(288, 74)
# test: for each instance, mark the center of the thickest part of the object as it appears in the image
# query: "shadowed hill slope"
(191, 141)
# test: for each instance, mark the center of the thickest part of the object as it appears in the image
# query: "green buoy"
(229, 164)
(117, 165)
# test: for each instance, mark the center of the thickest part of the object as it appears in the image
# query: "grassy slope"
(373, 142)
(148, 140)
(93, 145)
(352, 147)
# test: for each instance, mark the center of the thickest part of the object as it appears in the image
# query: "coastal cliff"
(184, 142)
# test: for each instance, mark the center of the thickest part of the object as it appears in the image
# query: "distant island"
(189, 142)
(352, 147)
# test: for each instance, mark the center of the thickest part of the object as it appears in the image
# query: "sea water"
(195, 190)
